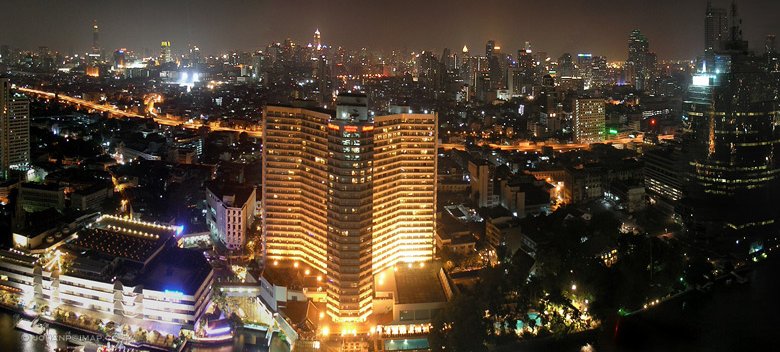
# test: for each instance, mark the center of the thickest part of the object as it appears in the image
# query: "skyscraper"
(589, 120)
(120, 59)
(716, 27)
(565, 66)
(348, 194)
(96, 55)
(95, 38)
(489, 47)
(317, 40)
(165, 52)
(637, 59)
(731, 147)
(14, 129)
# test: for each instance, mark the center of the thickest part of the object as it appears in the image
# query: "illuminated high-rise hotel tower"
(348, 194)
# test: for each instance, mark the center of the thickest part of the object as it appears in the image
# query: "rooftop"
(176, 269)
(240, 193)
(416, 284)
(124, 238)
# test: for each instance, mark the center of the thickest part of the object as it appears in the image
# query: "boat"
(31, 326)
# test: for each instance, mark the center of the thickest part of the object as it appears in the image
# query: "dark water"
(731, 317)
(12, 339)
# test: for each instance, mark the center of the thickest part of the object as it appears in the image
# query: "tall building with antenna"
(317, 40)
(732, 144)
(96, 54)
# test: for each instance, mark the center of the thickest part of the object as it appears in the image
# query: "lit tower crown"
(317, 40)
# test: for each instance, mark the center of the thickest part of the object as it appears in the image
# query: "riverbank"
(728, 316)
(93, 336)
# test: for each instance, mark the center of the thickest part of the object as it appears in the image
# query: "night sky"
(675, 28)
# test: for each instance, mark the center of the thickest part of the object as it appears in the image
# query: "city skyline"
(431, 26)
(375, 176)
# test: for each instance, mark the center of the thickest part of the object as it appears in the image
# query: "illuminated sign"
(701, 80)
(613, 131)
(174, 293)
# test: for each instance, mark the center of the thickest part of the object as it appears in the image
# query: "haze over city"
(555, 27)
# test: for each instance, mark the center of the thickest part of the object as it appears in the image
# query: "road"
(115, 111)
(528, 147)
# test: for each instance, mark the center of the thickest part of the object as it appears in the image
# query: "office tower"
(731, 148)
(716, 27)
(95, 39)
(589, 120)
(120, 60)
(636, 65)
(14, 129)
(481, 183)
(96, 54)
(520, 80)
(465, 66)
(769, 44)
(5, 54)
(772, 57)
(448, 60)
(489, 48)
(565, 66)
(663, 176)
(585, 69)
(495, 64)
(525, 60)
(348, 194)
(165, 52)
(599, 71)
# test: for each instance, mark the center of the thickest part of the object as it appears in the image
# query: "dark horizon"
(675, 29)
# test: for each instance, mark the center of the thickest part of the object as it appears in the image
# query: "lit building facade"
(589, 120)
(348, 194)
(231, 213)
(14, 129)
(173, 287)
(637, 65)
(165, 52)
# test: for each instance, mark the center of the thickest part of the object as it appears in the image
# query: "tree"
(460, 327)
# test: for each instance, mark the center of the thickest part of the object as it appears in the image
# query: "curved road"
(122, 113)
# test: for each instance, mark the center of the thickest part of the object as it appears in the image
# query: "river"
(12, 339)
(729, 318)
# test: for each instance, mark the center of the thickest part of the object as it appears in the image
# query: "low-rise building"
(36, 196)
(116, 266)
(231, 212)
